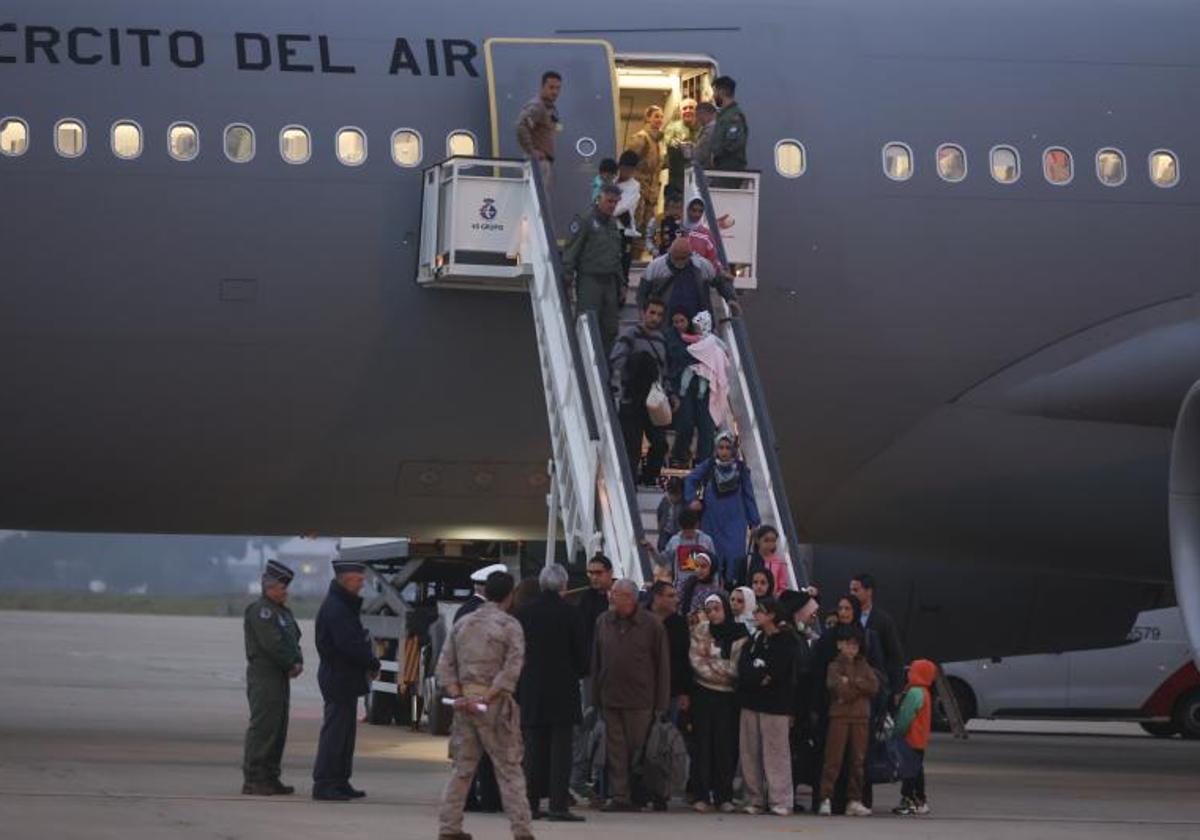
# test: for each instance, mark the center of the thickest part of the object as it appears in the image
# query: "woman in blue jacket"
(721, 489)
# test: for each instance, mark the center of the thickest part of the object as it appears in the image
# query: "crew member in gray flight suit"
(593, 259)
(273, 658)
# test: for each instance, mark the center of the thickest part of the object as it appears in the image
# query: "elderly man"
(555, 660)
(680, 137)
(631, 667)
(479, 667)
(348, 665)
(273, 657)
(683, 280)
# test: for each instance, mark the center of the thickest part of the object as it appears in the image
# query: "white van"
(1151, 679)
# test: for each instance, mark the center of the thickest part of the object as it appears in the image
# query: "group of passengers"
(781, 708)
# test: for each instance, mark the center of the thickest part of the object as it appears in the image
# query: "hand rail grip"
(770, 443)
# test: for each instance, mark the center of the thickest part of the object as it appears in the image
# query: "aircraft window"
(14, 137)
(461, 143)
(295, 145)
(1006, 165)
(183, 142)
(897, 161)
(351, 146)
(1057, 166)
(1164, 168)
(239, 143)
(70, 138)
(1110, 167)
(126, 140)
(406, 147)
(951, 162)
(790, 159)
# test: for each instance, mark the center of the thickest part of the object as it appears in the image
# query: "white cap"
(481, 576)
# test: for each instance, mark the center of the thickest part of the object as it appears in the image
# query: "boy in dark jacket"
(851, 683)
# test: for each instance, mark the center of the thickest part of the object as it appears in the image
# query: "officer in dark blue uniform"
(348, 665)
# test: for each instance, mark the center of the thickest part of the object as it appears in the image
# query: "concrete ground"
(131, 727)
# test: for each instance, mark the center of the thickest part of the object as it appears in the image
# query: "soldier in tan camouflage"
(479, 667)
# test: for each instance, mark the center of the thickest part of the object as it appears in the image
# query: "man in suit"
(555, 659)
(348, 665)
(862, 587)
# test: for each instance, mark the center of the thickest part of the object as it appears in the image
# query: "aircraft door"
(587, 110)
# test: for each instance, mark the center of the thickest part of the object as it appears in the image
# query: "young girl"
(762, 583)
(766, 556)
(767, 694)
(851, 683)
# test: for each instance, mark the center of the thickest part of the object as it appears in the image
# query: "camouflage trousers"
(497, 732)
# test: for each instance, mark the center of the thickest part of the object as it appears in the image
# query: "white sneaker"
(727, 808)
(826, 809)
(921, 808)
(782, 812)
(700, 806)
(854, 808)
(752, 810)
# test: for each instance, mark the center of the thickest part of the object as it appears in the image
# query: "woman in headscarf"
(721, 489)
(716, 645)
(702, 387)
(766, 556)
(743, 602)
(762, 583)
(697, 587)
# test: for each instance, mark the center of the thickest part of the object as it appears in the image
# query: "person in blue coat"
(348, 665)
(721, 489)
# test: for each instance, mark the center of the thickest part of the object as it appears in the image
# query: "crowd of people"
(778, 707)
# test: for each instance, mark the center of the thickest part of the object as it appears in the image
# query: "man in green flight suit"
(731, 132)
(592, 259)
(272, 659)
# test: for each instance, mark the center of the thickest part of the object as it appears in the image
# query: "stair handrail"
(799, 554)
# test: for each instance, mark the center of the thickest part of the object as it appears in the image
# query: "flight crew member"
(592, 259)
(647, 145)
(731, 132)
(273, 658)
(537, 125)
(706, 116)
(484, 795)
(348, 665)
(479, 667)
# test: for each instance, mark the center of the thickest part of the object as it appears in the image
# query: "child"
(682, 548)
(661, 232)
(851, 683)
(913, 722)
(766, 556)
(668, 512)
(608, 175)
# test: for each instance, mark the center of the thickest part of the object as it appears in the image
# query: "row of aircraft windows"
(1004, 162)
(350, 145)
(183, 142)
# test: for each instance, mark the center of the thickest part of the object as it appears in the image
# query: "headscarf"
(726, 475)
(689, 586)
(729, 630)
(686, 223)
(747, 615)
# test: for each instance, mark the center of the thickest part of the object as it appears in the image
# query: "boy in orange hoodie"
(913, 722)
(852, 683)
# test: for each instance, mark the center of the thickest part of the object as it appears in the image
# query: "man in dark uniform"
(479, 578)
(731, 131)
(348, 665)
(273, 658)
(592, 259)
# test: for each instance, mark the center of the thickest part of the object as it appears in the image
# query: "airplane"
(975, 315)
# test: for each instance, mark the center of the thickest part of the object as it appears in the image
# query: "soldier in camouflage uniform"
(479, 667)
(273, 658)
(592, 259)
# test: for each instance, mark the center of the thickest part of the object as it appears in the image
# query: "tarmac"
(131, 727)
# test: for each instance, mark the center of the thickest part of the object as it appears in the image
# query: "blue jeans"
(693, 418)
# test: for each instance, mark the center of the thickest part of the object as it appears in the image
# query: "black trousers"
(635, 421)
(548, 757)
(715, 723)
(914, 788)
(335, 748)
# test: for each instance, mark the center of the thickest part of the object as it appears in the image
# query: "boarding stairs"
(484, 226)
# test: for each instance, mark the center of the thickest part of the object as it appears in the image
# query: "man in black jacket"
(592, 604)
(555, 660)
(862, 587)
(348, 665)
(664, 603)
(637, 361)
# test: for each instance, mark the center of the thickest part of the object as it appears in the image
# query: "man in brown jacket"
(852, 683)
(632, 682)
(537, 126)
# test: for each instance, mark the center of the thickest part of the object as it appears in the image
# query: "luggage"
(883, 762)
(663, 763)
(658, 406)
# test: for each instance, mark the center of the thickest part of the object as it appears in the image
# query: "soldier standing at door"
(537, 125)
(273, 657)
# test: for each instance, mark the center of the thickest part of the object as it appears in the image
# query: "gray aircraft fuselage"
(973, 383)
